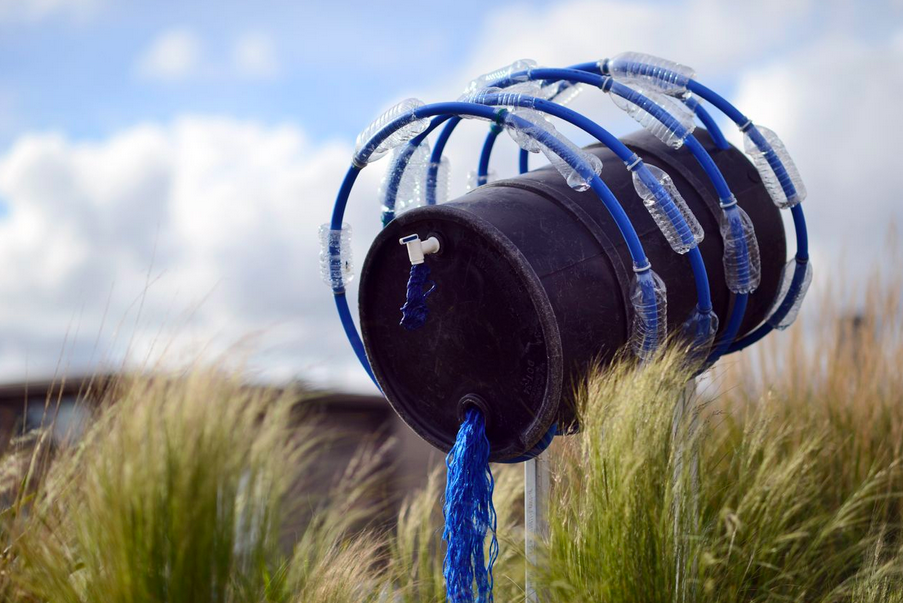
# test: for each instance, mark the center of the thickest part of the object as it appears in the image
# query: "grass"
(783, 484)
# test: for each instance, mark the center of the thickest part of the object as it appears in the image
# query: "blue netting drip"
(469, 514)
(414, 310)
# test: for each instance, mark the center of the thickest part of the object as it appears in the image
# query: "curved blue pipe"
(436, 157)
(483, 169)
(709, 122)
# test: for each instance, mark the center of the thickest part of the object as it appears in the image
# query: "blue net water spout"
(414, 312)
(469, 514)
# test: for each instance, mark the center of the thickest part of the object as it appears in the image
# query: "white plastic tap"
(417, 249)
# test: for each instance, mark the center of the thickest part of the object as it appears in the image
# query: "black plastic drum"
(531, 287)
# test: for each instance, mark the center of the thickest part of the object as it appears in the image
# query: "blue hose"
(483, 169)
(709, 122)
(436, 157)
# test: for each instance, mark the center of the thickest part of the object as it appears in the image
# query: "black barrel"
(532, 281)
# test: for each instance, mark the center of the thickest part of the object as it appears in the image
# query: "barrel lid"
(491, 333)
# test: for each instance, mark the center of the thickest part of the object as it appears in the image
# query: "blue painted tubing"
(483, 169)
(402, 164)
(395, 179)
(436, 157)
(799, 275)
(708, 165)
(802, 233)
(733, 327)
(523, 161)
(354, 338)
(717, 101)
(709, 122)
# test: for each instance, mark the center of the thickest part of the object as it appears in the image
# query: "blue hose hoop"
(360, 160)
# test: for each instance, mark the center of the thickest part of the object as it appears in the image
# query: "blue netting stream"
(469, 514)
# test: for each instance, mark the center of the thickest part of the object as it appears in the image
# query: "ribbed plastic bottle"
(409, 190)
(413, 126)
(790, 299)
(438, 179)
(775, 166)
(655, 72)
(336, 261)
(649, 329)
(666, 118)
(668, 208)
(742, 266)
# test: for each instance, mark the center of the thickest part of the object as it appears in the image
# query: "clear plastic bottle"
(528, 88)
(504, 98)
(473, 178)
(700, 329)
(502, 73)
(528, 127)
(413, 127)
(668, 208)
(786, 309)
(640, 105)
(398, 194)
(522, 136)
(440, 180)
(579, 180)
(648, 296)
(742, 267)
(661, 74)
(776, 182)
(336, 261)
(564, 92)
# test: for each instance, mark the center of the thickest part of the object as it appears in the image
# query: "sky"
(164, 166)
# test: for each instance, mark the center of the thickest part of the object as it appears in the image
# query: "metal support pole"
(683, 433)
(536, 514)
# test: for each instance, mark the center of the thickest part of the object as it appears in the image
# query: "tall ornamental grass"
(780, 480)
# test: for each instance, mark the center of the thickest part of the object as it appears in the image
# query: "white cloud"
(37, 10)
(219, 215)
(844, 138)
(173, 55)
(254, 55)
